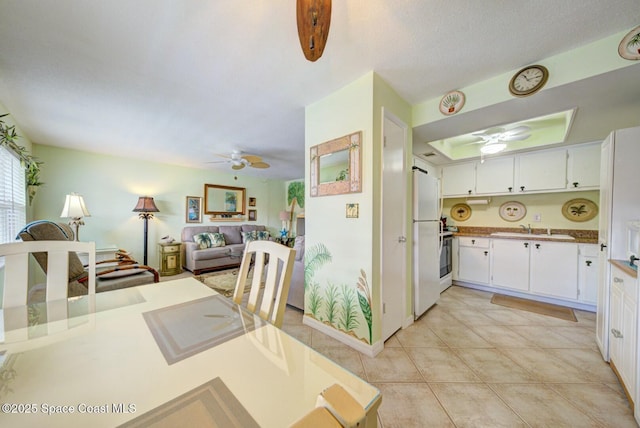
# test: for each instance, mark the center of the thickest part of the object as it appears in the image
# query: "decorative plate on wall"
(512, 211)
(629, 47)
(452, 103)
(579, 210)
(461, 212)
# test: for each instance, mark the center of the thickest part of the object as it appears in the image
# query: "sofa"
(296, 289)
(199, 258)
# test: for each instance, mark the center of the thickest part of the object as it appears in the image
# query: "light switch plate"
(537, 217)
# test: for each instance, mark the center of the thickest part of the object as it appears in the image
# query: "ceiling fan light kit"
(492, 148)
(239, 161)
(314, 19)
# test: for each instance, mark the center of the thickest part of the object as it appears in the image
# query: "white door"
(393, 242)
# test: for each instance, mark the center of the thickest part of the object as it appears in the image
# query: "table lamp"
(75, 209)
(145, 207)
(284, 216)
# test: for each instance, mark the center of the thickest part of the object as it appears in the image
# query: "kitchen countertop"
(581, 236)
(624, 266)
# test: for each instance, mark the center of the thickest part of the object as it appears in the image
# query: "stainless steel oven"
(446, 265)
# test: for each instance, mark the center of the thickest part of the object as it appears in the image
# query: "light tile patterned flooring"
(470, 363)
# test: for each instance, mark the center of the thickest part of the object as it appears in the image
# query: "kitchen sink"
(529, 236)
(511, 234)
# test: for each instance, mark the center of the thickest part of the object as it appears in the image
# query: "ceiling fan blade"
(236, 167)
(518, 137)
(517, 130)
(252, 158)
(489, 132)
(260, 165)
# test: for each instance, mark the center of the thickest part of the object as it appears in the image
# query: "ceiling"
(179, 81)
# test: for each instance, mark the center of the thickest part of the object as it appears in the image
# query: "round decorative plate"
(629, 47)
(512, 211)
(452, 103)
(579, 210)
(460, 212)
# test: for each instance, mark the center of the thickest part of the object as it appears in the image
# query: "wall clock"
(452, 103)
(528, 81)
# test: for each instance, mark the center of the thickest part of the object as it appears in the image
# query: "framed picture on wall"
(194, 209)
(253, 215)
(252, 202)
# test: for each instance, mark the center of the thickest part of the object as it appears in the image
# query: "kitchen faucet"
(527, 228)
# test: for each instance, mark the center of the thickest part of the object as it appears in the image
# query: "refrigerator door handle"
(402, 239)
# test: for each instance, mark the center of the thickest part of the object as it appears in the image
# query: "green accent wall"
(111, 186)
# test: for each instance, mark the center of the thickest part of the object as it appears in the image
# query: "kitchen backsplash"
(546, 206)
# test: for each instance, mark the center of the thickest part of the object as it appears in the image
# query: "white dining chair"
(277, 261)
(16, 269)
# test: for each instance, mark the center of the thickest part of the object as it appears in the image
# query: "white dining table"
(165, 354)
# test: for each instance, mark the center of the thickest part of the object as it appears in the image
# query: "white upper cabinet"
(541, 171)
(552, 170)
(495, 175)
(459, 179)
(583, 168)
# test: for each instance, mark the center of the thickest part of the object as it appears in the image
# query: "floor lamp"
(145, 207)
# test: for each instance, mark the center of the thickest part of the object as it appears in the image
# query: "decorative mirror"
(335, 166)
(224, 201)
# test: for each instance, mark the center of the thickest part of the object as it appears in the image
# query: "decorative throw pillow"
(249, 236)
(261, 235)
(204, 240)
(217, 240)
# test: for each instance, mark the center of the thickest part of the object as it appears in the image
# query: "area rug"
(542, 308)
(224, 281)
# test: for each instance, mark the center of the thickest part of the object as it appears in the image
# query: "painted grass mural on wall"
(344, 307)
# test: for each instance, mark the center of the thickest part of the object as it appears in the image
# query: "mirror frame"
(351, 142)
(208, 188)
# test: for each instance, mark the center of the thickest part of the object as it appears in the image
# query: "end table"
(169, 257)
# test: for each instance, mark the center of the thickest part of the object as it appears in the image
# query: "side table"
(169, 257)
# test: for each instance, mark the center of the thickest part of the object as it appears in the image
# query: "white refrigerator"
(426, 241)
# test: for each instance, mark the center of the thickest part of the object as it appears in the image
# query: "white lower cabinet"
(473, 260)
(554, 269)
(510, 267)
(536, 267)
(588, 273)
(622, 333)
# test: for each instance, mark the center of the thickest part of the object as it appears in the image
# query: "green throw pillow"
(249, 236)
(217, 240)
(204, 240)
(262, 235)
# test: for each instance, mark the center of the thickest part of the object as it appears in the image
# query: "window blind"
(13, 205)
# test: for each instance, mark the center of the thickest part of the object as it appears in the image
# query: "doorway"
(394, 247)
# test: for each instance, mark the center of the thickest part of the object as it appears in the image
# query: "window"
(13, 205)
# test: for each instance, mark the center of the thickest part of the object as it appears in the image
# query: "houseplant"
(8, 137)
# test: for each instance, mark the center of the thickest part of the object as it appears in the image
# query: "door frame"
(386, 114)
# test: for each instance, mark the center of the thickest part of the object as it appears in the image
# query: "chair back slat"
(16, 270)
(268, 301)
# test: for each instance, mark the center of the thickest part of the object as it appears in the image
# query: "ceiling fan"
(238, 160)
(495, 139)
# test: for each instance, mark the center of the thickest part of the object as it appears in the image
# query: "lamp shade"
(146, 205)
(74, 207)
(284, 215)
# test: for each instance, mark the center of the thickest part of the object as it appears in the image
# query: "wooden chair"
(16, 268)
(268, 302)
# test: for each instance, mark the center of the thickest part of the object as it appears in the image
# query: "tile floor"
(470, 363)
